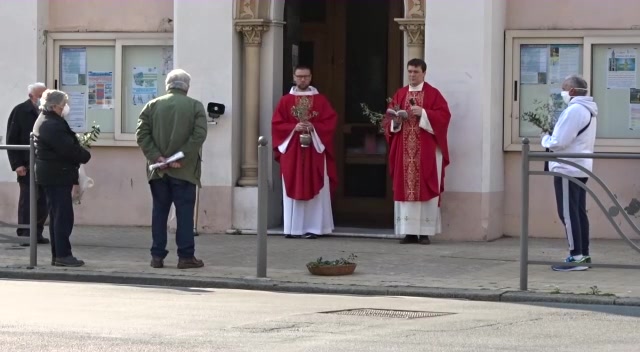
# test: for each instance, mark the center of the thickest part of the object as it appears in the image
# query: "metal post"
(195, 221)
(524, 232)
(33, 202)
(262, 207)
(197, 208)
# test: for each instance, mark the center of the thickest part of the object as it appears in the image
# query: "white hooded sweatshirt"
(565, 137)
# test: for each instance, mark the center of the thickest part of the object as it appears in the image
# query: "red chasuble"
(412, 150)
(302, 168)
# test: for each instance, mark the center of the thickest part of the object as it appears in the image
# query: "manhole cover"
(388, 313)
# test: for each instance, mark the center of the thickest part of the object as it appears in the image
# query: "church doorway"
(355, 50)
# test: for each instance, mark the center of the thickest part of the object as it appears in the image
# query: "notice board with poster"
(86, 74)
(144, 71)
(616, 90)
(543, 68)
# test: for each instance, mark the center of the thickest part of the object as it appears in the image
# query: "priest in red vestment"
(302, 130)
(416, 127)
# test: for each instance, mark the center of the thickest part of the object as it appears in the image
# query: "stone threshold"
(338, 232)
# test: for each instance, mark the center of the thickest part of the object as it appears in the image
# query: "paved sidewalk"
(485, 270)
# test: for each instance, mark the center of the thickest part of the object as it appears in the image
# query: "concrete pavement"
(481, 271)
(134, 318)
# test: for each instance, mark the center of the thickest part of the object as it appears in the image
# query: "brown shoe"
(157, 262)
(190, 263)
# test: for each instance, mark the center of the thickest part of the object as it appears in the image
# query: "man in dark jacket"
(19, 127)
(58, 158)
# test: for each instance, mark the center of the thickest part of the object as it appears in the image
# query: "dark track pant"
(572, 209)
(23, 209)
(61, 219)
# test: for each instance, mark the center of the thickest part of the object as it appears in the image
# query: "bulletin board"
(616, 90)
(543, 68)
(87, 75)
(144, 70)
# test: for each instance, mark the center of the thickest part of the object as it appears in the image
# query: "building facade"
(490, 58)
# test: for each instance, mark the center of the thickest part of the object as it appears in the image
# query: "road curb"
(258, 284)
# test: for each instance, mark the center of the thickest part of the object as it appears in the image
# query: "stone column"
(414, 30)
(252, 34)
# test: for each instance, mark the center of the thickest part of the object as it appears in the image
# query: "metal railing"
(527, 157)
(263, 204)
(33, 199)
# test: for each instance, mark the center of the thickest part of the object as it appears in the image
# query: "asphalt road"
(54, 316)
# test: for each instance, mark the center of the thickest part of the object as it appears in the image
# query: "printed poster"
(621, 68)
(100, 90)
(634, 109)
(533, 64)
(77, 118)
(167, 60)
(145, 84)
(74, 66)
(564, 60)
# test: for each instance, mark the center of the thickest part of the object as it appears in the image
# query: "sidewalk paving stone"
(470, 270)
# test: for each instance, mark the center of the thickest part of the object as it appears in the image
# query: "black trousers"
(23, 209)
(572, 209)
(61, 219)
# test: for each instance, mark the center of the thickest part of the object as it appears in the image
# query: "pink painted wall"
(110, 15)
(121, 195)
(618, 175)
(573, 14)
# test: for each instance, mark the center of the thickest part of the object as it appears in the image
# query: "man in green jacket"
(167, 125)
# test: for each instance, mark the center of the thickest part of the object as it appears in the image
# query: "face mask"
(565, 96)
(38, 103)
(65, 110)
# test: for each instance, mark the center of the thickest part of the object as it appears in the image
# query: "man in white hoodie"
(575, 132)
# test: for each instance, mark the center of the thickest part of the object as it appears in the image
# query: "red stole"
(412, 150)
(303, 168)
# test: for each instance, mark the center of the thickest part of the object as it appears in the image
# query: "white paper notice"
(74, 66)
(77, 118)
(621, 68)
(145, 84)
(564, 60)
(533, 64)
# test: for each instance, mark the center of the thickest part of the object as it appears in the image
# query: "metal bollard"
(33, 201)
(263, 188)
(524, 231)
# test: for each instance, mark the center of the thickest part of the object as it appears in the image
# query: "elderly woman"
(58, 157)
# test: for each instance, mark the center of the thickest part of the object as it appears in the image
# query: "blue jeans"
(182, 194)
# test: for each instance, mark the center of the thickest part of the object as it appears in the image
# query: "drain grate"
(388, 313)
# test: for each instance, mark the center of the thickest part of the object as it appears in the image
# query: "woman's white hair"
(51, 98)
(178, 79)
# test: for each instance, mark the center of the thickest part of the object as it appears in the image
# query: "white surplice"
(419, 218)
(308, 216)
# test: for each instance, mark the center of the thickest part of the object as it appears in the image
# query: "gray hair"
(178, 79)
(578, 83)
(52, 97)
(34, 86)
